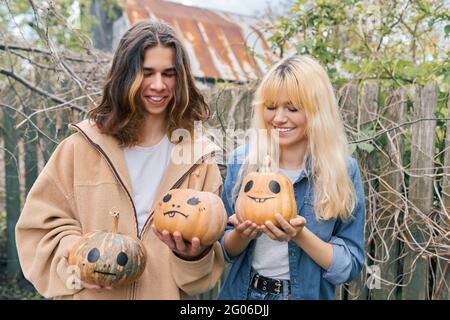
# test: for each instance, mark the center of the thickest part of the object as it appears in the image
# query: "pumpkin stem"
(115, 215)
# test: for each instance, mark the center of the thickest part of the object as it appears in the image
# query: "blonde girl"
(323, 246)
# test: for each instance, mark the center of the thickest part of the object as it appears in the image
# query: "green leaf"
(366, 147)
(447, 30)
(351, 148)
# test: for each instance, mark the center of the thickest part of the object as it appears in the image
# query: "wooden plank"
(348, 100)
(12, 186)
(390, 186)
(30, 141)
(339, 292)
(415, 265)
(368, 112)
(352, 117)
(31, 158)
(442, 288)
(367, 119)
(240, 114)
(2, 173)
(357, 289)
(48, 126)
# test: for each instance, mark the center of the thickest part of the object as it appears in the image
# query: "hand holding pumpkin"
(287, 230)
(192, 214)
(108, 259)
(247, 230)
(84, 284)
(192, 250)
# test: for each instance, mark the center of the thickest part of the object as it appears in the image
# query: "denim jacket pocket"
(321, 228)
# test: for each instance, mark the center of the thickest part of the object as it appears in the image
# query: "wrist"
(193, 258)
(300, 236)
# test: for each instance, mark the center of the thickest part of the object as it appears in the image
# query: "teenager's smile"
(156, 100)
(283, 131)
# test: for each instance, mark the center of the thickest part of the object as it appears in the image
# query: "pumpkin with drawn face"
(108, 259)
(192, 213)
(262, 195)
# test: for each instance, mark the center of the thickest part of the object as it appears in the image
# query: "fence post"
(390, 187)
(240, 111)
(349, 101)
(443, 266)
(415, 266)
(12, 187)
(30, 139)
(367, 120)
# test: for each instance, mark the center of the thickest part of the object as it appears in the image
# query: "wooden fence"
(399, 138)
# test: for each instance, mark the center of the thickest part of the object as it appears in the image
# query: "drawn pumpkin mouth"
(260, 200)
(171, 214)
(105, 273)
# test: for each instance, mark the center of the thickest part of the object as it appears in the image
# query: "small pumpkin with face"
(262, 195)
(193, 213)
(108, 259)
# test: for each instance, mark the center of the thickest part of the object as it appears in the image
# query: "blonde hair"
(308, 88)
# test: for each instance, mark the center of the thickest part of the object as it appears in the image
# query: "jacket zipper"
(116, 174)
(176, 185)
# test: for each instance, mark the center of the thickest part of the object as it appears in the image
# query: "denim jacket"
(308, 280)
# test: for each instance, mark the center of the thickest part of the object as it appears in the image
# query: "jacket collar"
(184, 155)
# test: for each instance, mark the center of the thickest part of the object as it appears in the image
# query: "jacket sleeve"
(348, 239)
(47, 228)
(195, 277)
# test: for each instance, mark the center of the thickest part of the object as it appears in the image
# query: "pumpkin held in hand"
(108, 259)
(192, 213)
(262, 195)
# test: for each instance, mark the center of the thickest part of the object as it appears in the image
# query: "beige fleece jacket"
(83, 180)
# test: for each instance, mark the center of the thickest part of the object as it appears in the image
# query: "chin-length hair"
(308, 88)
(121, 111)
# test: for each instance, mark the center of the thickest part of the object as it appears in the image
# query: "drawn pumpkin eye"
(167, 197)
(122, 259)
(274, 186)
(193, 201)
(93, 255)
(248, 186)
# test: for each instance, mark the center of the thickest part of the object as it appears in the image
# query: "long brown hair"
(120, 112)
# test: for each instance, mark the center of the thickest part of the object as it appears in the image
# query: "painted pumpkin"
(262, 195)
(192, 213)
(109, 258)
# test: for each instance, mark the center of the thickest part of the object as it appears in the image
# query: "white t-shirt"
(271, 258)
(146, 167)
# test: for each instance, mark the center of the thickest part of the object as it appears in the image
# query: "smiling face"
(108, 259)
(287, 120)
(263, 195)
(192, 213)
(158, 86)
